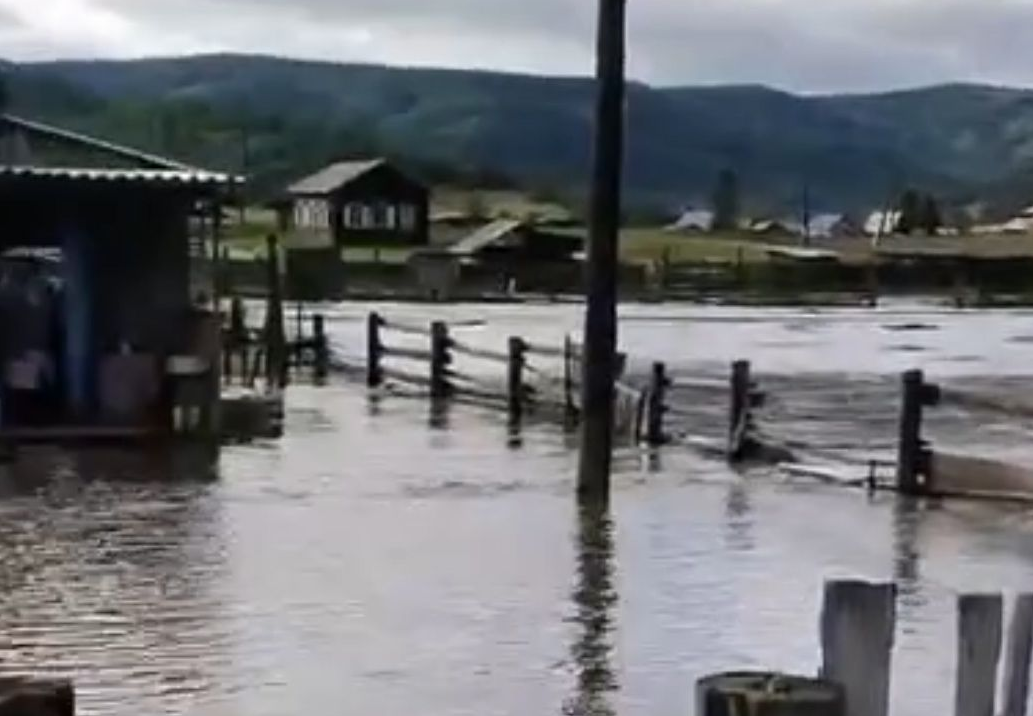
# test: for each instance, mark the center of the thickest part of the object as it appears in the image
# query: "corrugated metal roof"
(151, 161)
(159, 177)
(484, 237)
(334, 177)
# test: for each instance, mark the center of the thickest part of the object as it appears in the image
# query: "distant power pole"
(600, 339)
(245, 167)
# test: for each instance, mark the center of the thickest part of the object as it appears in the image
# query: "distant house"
(882, 223)
(360, 203)
(831, 227)
(693, 221)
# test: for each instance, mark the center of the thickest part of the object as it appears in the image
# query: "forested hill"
(959, 141)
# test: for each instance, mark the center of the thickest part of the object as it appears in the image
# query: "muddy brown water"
(383, 559)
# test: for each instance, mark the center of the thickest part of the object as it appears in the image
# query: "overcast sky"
(803, 45)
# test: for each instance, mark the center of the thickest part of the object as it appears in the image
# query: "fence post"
(1020, 649)
(979, 650)
(912, 451)
(374, 351)
(440, 359)
(739, 410)
(515, 377)
(857, 624)
(320, 347)
(657, 405)
(568, 378)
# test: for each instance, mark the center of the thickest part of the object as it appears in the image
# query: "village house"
(833, 227)
(107, 325)
(359, 203)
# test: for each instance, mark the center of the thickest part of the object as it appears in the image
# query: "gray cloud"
(802, 45)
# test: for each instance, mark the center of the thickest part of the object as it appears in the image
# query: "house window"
(367, 220)
(380, 216)
(353, 216)
(407, 217)
(312, 214)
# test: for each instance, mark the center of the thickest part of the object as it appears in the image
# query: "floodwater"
(387, 558)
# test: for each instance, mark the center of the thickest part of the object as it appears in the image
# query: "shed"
(100, 334)
(360, 203)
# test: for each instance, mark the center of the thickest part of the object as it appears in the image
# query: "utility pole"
(600, 339)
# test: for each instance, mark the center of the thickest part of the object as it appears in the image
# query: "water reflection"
(594, 599)
(908, 515)
(739, 520)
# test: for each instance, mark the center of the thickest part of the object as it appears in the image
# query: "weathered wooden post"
(912, 451)
(569, 361)
(440, 359)
(515, 378)
(320, 347)
(857, 626)
(657, 405)
(1020, 649)
(979, 650)
(768, 694)
(739, 409)
(374, 351)
(600, 330)
(276, 342)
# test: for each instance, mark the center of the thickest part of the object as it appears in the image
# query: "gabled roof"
(144, 159)
(694, 219)
(484, 237)
(334, 177)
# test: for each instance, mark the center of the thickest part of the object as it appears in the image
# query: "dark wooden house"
(105, 329)
(359, 203)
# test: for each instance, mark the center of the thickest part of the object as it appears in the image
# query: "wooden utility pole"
(600, 342)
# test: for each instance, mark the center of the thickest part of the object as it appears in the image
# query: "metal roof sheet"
(484, 237)
(156, 177)
(151, 161)
(334, 176)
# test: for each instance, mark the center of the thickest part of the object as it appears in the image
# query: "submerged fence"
(860, 432)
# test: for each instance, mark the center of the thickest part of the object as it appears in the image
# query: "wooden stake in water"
(979, 650)
(276, 341)
(600, 339)
(1020, 649)
(857, 625)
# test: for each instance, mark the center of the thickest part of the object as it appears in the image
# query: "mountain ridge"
(961, 141)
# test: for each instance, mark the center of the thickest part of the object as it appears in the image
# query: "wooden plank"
(857, 625)
(979, 650)
(960, 474)
(1017, 664)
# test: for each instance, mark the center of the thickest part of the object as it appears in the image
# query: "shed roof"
(146, 160)
(484, 237)
(335, 176)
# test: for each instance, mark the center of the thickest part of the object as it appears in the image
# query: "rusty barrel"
(747, 693)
